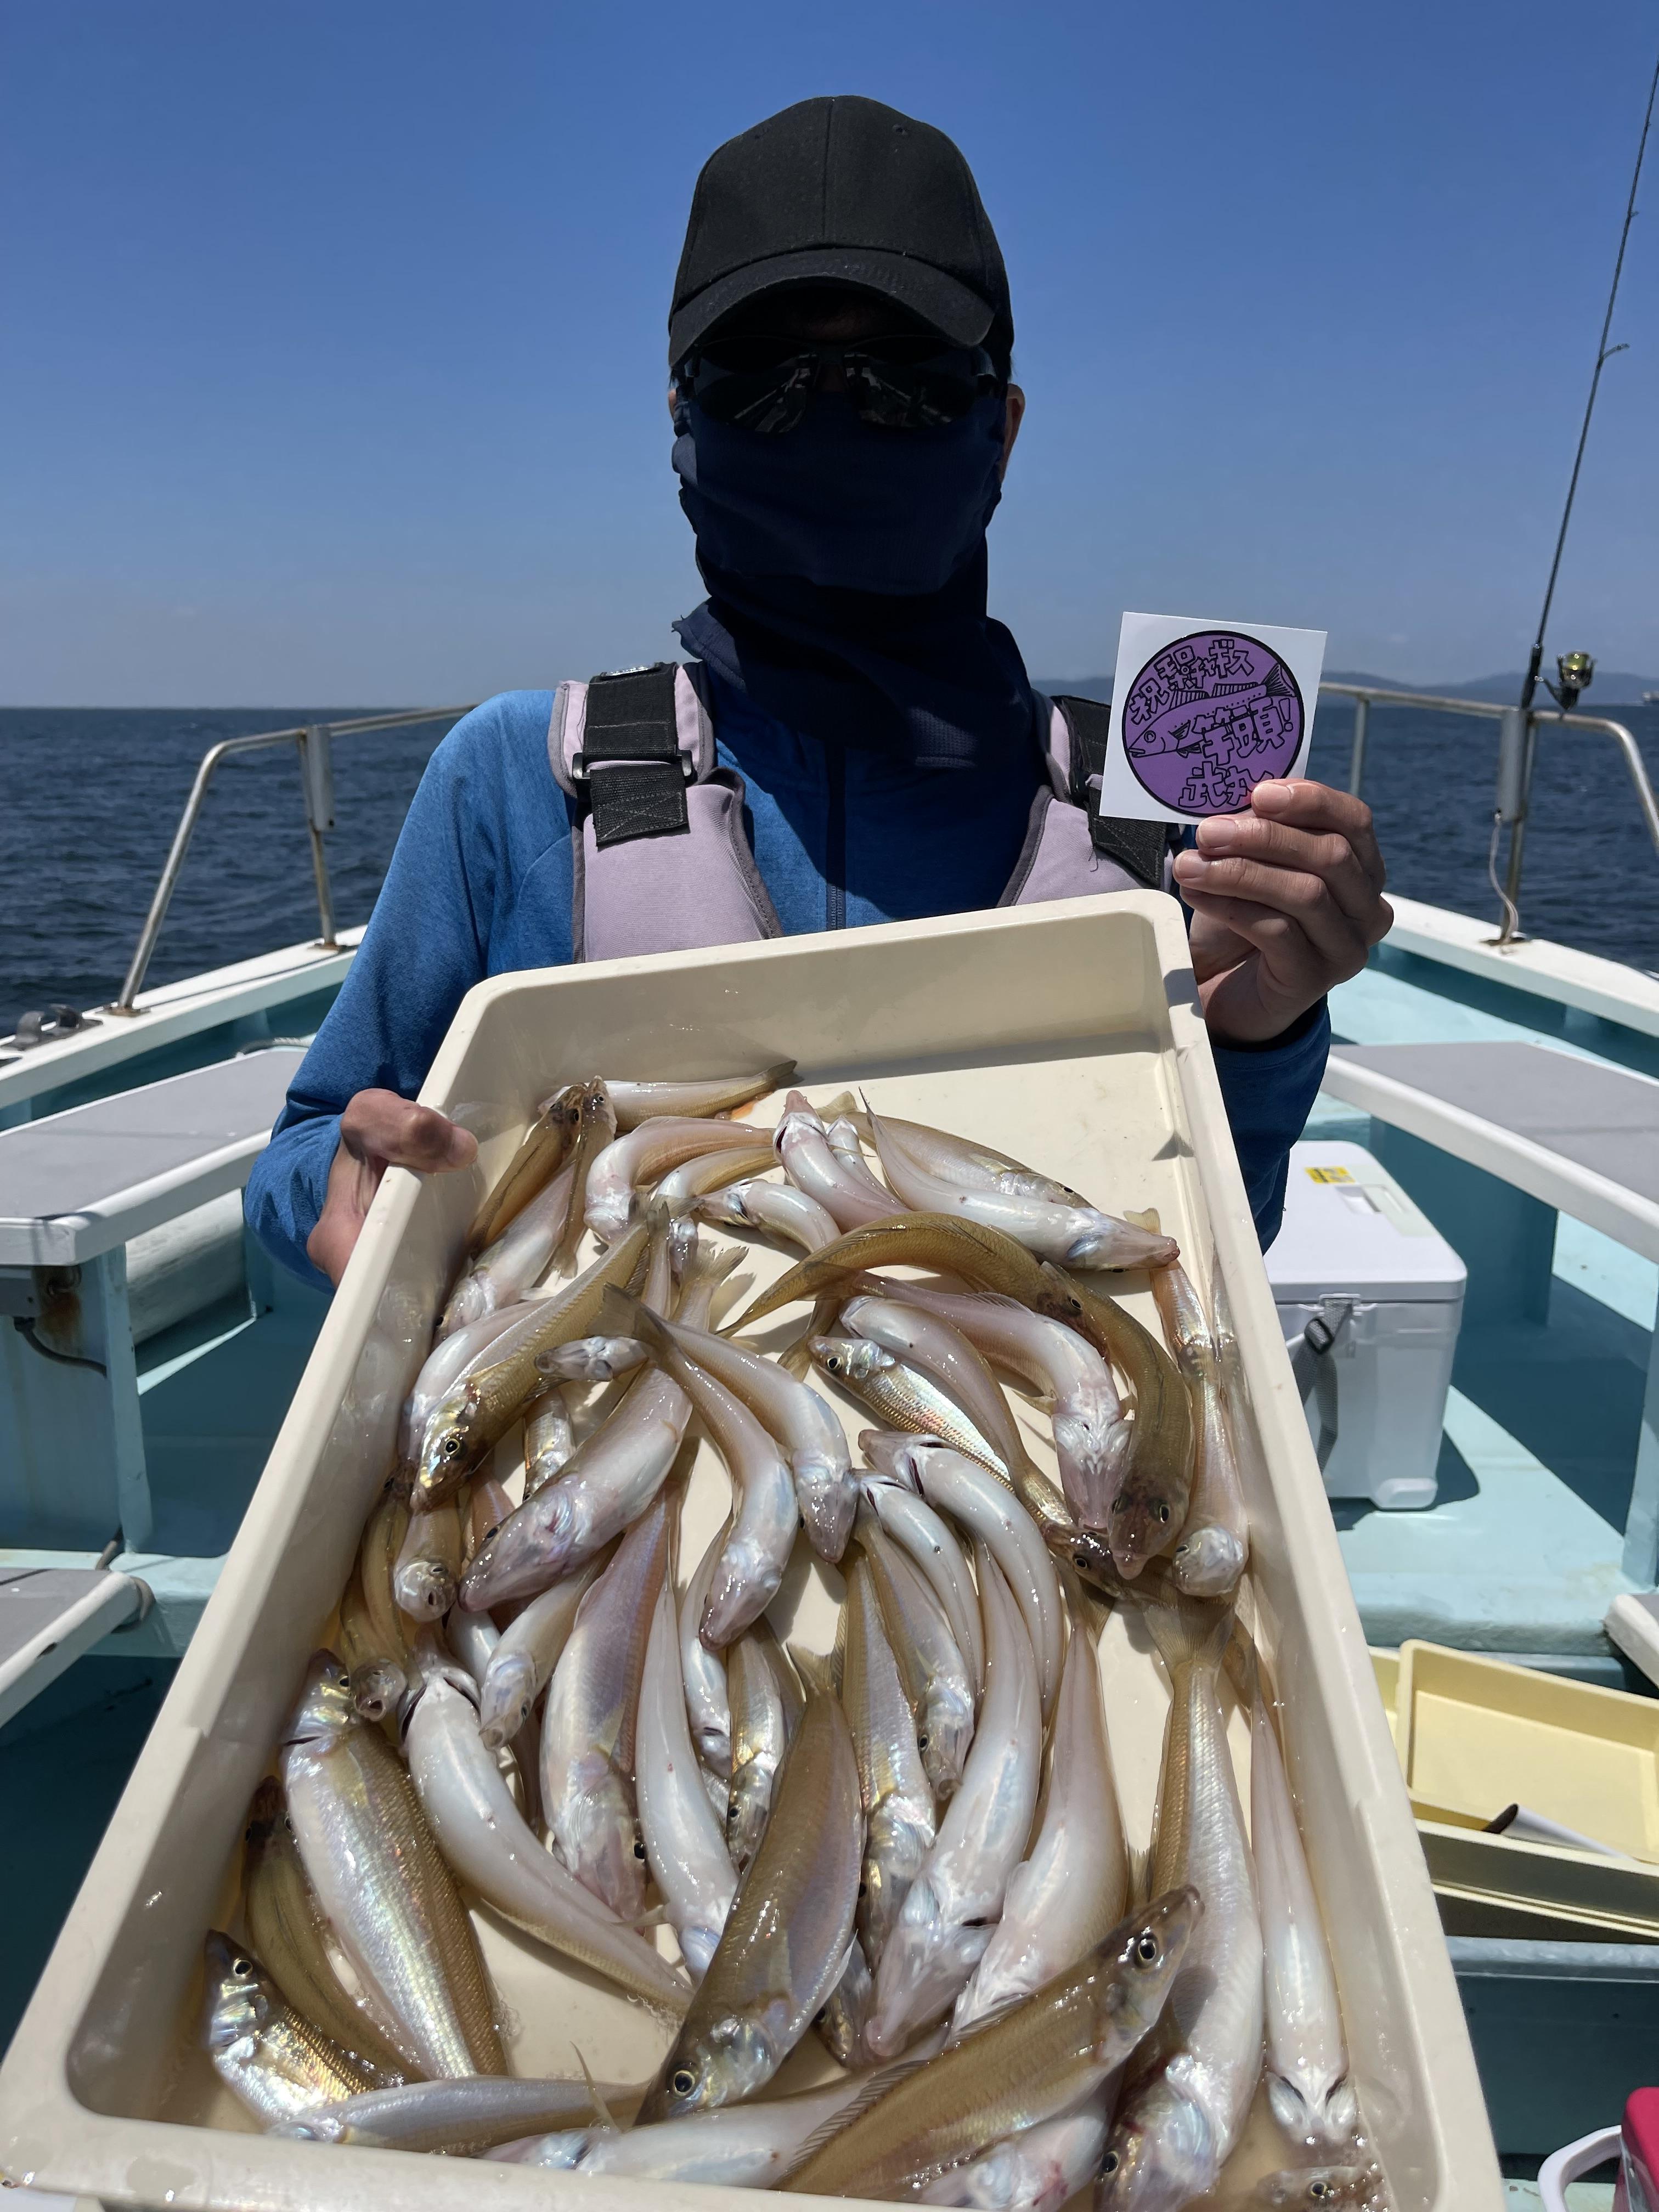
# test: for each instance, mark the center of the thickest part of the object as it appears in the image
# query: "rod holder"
(1509, 804)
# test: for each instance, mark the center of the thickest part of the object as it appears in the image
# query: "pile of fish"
(906, 1851)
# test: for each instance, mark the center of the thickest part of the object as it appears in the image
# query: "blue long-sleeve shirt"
(480, 884)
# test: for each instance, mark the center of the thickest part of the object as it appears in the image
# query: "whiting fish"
(1308, 2082)
(1028, 2066)
(684, 1841)
(964, 1160)
(285, 1925)
(504, 1271)
(1214, 1543)
(521, 1662)
(708, 1700)
(898, 1801)
(1185, 2103)
(774, 1209)
(648, 1151)
(939, 1244)
(766, 1705)
(451, 2116)
(381, 1882)
(741, 2147)
(953, 1904)
(596, 1129)
(1148, 1511)
(786, 1937)
(588, 1726)
(469, 1423)
(1072, 1236)
(1039, 2170)
(1061, 1899)
(812, 1165)
(901, 1394)
(930, 1544)
(486, 1840)
(450, 1359)
(634, 1102)
(931, 1667)
(429, 1563)
(791, 1411)
(277, 2064)
(550, 1438)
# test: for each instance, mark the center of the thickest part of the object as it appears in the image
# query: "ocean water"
(89, 799)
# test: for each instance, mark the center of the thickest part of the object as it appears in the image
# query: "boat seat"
(1570, 1135)
(78, 1184)
(49, 1616)
(148, 1175)
(1578, 1135)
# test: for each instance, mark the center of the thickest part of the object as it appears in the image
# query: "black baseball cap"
(843, 191)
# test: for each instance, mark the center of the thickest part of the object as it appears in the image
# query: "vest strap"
(630, 770)
(1138, 848)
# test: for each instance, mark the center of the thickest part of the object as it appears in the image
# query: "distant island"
(1613, 687)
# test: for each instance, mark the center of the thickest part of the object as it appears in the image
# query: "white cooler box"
(1358, 1259)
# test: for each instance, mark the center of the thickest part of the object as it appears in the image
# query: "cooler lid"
(1350, 1229)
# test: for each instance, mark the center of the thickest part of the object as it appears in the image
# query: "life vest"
(663, 863)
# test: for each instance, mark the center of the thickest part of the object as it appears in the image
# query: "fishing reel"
(1577, 672)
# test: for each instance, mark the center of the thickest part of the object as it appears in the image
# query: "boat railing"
(1517, 746)
(314, 744)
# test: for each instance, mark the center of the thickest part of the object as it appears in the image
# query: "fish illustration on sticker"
(1203, 711)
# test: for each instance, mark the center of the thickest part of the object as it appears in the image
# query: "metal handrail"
(313, 741)
(1517, 743)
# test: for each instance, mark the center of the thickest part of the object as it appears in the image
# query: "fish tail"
(780, 1073)
(1191, 1631)
(818, 1670)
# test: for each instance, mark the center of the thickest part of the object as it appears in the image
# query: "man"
(852, 741)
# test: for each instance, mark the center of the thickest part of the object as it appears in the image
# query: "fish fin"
(1140, 1874)
(876, 2087)
(818, 1670)
(780, 1073)
(1147, 1220)
(596, 2095)
(1190, 1629)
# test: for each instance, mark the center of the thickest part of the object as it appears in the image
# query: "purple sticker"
(1207, 718)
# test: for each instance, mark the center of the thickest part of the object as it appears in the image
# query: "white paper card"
(1202, 711)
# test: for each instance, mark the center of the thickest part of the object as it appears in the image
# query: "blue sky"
(332, 353)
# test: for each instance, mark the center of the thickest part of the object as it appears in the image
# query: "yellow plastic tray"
(1476, 1735)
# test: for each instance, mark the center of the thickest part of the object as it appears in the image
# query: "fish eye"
(1079, 1559)
(864, 1889)
(684, 2081)
(1120, 1505)
(1147, 1948)
(1108, 2163)
(639, 1847)
(451, 1445)
(1164, 1513)
(833, 1365)
(921, 1743)
(241, 1966)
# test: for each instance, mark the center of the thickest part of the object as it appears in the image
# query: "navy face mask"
(840, 502)
(846, 567)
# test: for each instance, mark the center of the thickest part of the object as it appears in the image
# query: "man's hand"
(1286, 900)
(378, 1130)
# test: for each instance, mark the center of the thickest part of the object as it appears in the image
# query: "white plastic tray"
(1068, 1033)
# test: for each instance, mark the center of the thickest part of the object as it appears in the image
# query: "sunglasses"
(904, 381)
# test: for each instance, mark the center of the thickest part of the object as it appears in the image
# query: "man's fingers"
(1325, 853)
(1304, 899)
(379, 1125)
(1321, 807)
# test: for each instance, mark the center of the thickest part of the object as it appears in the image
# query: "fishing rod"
(1579, 664)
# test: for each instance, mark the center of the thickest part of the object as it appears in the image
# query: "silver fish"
(1214, 1543)
(844, 2023)
(903, 1396)
(1074, 1887)
(274, 2062)
(791, 1411)
(381, 1882)
(592, 1359)
(1038, 2170)
(987, 1509)
(588, 1728)
(445, 1366)
(1308, 2086)
(1091, 1435)
(483, 1835)
(449, 2115)
(765, 1709)
(708, 1701)
(812, 1166)
(684, 1841)
(898, 1803)
(1185, 2104)
(429, 1564)
(648, 1151)
(1070, 1236)
(504, 1272)
(520, 1663)
(786, 1937)
(634, 1102)
(932, 1670)
(931, 1545)
(776, 1209)
(741, 2147)
(965, 1160)
(549, 1439)
(953, 1904)
(761, 1532)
